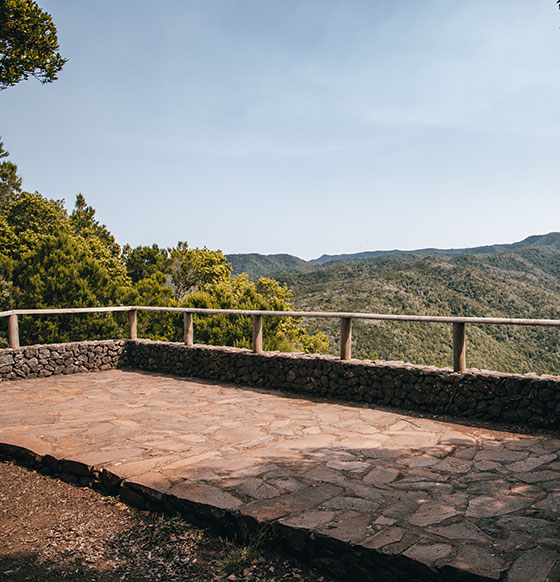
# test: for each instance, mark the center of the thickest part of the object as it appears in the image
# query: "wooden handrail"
(312, 314)
(459, 349)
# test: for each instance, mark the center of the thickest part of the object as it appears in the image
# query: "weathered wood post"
(13, 331)
(459, 348)
(257, 333)
(345, 338)
(132, 324)
(188, 328)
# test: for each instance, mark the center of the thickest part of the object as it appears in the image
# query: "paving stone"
(516, 541)
(382, 521)
(551, 504)
(422, 486)
(350, 527)
(466, 453)
(412, 441)
(453, 465)
(292, 502)
(384, 538)
(531, 464)
(115, 456)
(419, 461)
(251, 486)
(485, 506)
(351, 503)
(206, 495)
(352, 466)
(311, 520)
(290, 484)
(462, 531)
(323, 474)
(152, 480)
(487, 465)
(494, 486)
(528, 490)
(452, 437)
(479, 561)
(425, 474)
(380, 476)
(539, 476)
(532, 525)
(189, 459)
(356, 489)
(429, 554)
(431, 513)
(534, 565)
(506, 456)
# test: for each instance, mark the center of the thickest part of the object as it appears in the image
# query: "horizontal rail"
(459, 338)
(311, 314)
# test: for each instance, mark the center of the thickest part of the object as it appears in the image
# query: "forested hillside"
(522, 283)
(256, 265)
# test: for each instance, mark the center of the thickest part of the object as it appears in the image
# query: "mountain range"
(520, 280)
(257, 265)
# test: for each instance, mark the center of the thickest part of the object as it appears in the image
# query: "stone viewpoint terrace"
(355, 473)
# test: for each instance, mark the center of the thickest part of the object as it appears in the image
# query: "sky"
(299, 126)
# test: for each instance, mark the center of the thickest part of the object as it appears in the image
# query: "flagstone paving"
(414, 491)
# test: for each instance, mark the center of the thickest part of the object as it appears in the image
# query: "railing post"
(345, 338)
(13, 331)
(459, 348)
(132, 324)
(188, 328)
(257, 334)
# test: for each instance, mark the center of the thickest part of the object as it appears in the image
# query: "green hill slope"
(522, 283)
(256, 265)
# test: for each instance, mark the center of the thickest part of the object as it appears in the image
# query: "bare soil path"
(51, 530)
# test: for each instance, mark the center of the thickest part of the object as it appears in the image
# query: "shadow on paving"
(453, 508)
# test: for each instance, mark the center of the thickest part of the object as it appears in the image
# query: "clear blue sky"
(300, 126)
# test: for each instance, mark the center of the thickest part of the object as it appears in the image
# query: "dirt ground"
(51, 530)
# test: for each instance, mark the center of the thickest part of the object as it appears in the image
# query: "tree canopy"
(28, 44)
(10, 182)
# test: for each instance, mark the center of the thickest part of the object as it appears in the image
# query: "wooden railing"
(459, 344)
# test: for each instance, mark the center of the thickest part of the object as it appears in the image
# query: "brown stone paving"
(479, 500)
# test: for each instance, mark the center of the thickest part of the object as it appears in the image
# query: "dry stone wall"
(70, 358)
(525, 400)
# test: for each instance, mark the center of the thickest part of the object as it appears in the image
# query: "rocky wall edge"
(525, 400)
(39, 361)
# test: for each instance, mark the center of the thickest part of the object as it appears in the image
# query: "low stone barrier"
(525, 400)
(69, 358)
(528, 400)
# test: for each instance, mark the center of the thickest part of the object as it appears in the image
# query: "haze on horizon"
(302, 127)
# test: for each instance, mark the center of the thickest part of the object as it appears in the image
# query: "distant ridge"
(551, 239)
(257, 265)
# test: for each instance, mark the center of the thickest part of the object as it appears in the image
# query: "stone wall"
(70, 358)
(526, 400)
